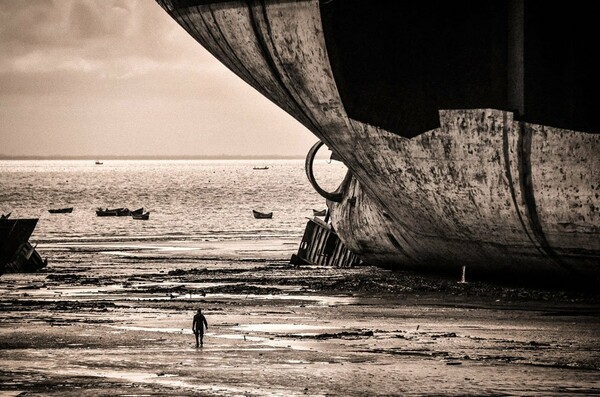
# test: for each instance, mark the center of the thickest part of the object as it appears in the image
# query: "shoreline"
(101, 324)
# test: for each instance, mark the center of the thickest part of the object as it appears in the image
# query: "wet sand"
(115, 320)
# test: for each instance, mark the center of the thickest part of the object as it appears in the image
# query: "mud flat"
(117, 321)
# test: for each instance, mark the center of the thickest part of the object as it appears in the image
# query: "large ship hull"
(454, 161)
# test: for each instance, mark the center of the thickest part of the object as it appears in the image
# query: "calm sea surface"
(187, 199)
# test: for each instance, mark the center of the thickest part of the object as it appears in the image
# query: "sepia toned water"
(187, 199)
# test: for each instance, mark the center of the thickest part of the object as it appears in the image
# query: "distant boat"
(144, 216)
(61, 210)
(262, 215)
(3, 216)
(139, 211)
(108, 212)
(113, 212)
(260, 168)
(319, 213)
(98, 162)
(122, 211)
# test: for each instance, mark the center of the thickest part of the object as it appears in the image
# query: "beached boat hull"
(454, 179)
(17, 255)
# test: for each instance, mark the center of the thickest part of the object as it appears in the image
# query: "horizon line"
(152, 157)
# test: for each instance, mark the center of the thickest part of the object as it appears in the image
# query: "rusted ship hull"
(457, 160)
(17, 255)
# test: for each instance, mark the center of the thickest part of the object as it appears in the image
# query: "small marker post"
(463, 280)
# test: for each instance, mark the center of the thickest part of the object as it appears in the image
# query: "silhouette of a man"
(198, 326)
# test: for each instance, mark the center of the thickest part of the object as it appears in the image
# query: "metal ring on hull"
(308, 167)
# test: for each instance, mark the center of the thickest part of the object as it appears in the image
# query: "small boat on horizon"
(98, 162)
(61, 210)
(261, 168)
(262, 215)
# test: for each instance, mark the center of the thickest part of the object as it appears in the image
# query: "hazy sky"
(120, 77)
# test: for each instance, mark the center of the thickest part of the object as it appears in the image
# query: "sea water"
(187, 199)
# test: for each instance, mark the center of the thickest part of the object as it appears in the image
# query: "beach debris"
(321, 246)
(453, 363)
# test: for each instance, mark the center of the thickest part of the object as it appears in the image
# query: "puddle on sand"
(321, 300)
(277, 328)
(168, 380)
(151, 329)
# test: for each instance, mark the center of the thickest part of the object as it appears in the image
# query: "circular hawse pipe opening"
(335, 196)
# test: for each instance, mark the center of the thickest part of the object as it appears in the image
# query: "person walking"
(198, 326)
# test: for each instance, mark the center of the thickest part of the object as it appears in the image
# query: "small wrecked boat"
(144, 217)
(262, 215)
(17, 255)
(61, 210)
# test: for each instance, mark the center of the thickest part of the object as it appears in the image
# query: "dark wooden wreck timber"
(17, 255)
(470, 128)
(321, 246)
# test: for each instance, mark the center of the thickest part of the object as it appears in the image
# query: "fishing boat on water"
(122, 211)
(469, 129)
(98, 162)
(144, 217)
(61, 210)
(261, 168)
(262, 215)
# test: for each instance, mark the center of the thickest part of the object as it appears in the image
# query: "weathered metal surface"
(482, 190)
(474, 192)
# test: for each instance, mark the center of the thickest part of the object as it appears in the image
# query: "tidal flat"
(115, 319)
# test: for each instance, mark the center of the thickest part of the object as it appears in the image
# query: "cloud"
(112, 38)
(85, 72)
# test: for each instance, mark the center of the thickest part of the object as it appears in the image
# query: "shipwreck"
(17, 255)
(469, 128)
